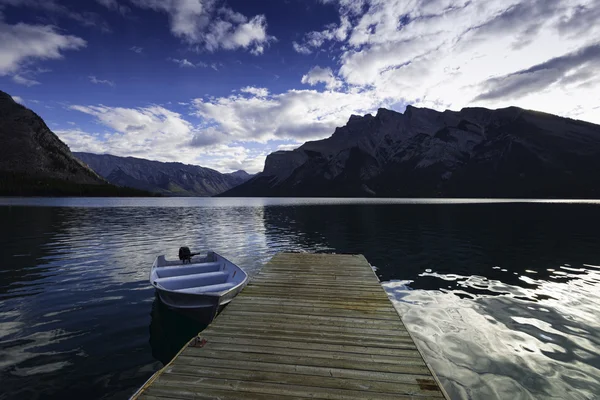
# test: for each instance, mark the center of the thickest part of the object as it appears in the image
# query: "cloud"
(227, 125)
(302, 49)
(154, 122)
(442, 54)
(315, 39)
(185, 63)
(136, 49)
(157, 133)
(87, 19)
(95, 80)
(22, 44)
(18, 99)
(78, 140)
(115, 6)
(288, 147)
(202, 23)
(258, 92)
(321, 75)
(24, 81)
(229, 158)
(577, 67)
(152, 132)
(254, 116)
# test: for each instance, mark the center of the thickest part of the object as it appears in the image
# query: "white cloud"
(296, 114)
(18, 99)
(152, 132)
(183, 62)
(21, 80)
(95, 80)
(23, 44)
(229, 158)
(136, 49)
(202, 23)
(440, 54)
(315, 39)
(258, 92)
(302, 49)
(321, 75)
(139, 127)
(157, 133)
(78, 140)
(288, 147)
(446, 53)
(228, 125)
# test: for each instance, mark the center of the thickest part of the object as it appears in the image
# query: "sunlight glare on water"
(501, 296)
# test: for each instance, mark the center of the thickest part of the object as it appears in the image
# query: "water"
(502, 297)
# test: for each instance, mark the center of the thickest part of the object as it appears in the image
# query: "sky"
(224, 83)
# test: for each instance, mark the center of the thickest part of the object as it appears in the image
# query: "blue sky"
(222, 84)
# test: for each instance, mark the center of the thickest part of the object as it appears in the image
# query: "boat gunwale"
(210, 294)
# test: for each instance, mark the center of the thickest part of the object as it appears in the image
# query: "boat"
(205, 283)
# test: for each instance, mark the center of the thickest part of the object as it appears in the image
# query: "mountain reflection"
(501, 296)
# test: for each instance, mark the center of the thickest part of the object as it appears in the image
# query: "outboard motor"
(185, 254)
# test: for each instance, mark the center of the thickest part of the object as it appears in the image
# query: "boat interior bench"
(193, 281)
(209, 289)
(190, 269)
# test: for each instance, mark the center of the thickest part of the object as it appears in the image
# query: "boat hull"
(208, 305)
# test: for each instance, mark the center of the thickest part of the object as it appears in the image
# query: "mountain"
(34, 161)
(475, 152)
(240, 175)
(174, 179)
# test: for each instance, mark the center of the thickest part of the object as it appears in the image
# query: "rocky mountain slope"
(30, 147)
(34, 161)
(173, 179)
(475, 152)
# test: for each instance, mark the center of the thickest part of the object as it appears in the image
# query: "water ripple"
(502, 297)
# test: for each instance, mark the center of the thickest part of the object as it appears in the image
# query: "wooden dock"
(307, 326)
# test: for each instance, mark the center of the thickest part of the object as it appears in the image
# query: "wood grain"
(314, 326)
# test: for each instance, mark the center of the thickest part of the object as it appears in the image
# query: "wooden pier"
(307, 326)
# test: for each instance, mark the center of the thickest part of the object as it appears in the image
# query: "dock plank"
(298, 379)
(314, 326)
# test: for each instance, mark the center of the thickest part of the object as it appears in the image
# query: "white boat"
(205, 284)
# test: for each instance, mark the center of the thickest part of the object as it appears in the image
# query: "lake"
(503, 297)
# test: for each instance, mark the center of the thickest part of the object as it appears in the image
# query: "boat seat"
(189, 269)
(193, 280)
(210, 288)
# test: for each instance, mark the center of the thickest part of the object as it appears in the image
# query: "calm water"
(502, 297)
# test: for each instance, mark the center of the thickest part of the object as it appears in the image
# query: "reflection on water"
(502, 297)
(495, 346)
(170, 331)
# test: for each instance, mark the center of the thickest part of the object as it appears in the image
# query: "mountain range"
(166, 178)
(34, 161)
(474, 152)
